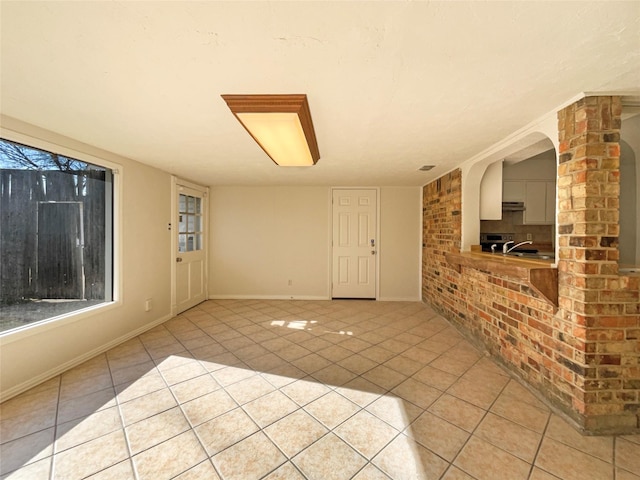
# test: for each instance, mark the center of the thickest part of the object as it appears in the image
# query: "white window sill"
(41, 326)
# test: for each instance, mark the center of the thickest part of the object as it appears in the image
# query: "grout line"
(577, 449)
(262, 429)
(86, 416)
(486, 412)
(614, 456)
(250, 316)
(190, 424)
(542, 437)
(124, 429)
(55, 432)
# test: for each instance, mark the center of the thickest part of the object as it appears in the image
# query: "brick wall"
(583, 356)
(601, 306)
(441, 233)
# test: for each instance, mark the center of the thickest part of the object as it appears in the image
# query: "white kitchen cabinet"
(539, 202)
(513, 191)
(551, 203)
(539, 197)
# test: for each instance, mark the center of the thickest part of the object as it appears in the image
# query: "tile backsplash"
(539, 233)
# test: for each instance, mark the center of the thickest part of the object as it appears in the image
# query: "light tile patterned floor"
(292, 390)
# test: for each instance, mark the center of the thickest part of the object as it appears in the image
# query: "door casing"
(176, 184)
(378, 239)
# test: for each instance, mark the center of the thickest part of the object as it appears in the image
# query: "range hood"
(513, 206)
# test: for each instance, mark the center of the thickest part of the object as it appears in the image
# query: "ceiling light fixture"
(280, 124)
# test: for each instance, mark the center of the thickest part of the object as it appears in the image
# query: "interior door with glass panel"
(191, 258)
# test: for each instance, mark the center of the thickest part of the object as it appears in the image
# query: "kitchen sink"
(534, 256)
(626, 270)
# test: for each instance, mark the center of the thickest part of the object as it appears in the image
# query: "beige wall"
(262, 237)
(540, 167)
(400, 243)
(31, 356)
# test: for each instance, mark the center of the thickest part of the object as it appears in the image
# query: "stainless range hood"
(513, 206)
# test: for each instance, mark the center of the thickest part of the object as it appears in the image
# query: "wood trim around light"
(295, 103)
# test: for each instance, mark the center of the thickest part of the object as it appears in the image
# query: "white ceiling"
(391, 85)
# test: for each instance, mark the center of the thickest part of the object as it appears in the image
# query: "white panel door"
(190, 282)
(354, 243)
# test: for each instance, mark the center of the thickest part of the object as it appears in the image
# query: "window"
(190, 231)
(56, 241)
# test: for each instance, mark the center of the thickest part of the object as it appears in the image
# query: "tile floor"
(292, 390)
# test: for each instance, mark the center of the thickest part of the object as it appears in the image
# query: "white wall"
(491, 192)
(540, 167)
(33, 355)
(400, 243)
(262, 237)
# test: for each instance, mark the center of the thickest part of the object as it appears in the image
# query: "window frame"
(117, 169)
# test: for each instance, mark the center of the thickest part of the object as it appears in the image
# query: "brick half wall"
(583, 357)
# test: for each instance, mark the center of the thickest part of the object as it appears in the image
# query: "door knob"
(373, 252)
(179, 259)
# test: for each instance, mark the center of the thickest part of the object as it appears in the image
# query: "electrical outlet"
(147, 305)
(290, 282)
(528, 236)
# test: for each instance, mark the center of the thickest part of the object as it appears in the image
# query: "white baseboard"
(35, 381)
(400, 299)
(303, 297)
(267, 297)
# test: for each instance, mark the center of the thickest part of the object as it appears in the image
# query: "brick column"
(599, 310)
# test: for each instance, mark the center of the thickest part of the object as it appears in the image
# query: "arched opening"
(629, 239)
(530, 156)
(528, 212)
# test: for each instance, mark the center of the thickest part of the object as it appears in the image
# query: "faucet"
(507, 250)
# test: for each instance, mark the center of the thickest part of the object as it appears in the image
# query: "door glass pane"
(189, 223)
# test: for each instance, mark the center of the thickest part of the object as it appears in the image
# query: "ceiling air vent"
(425, 168)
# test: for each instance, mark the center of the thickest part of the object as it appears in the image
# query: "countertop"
(541, 275)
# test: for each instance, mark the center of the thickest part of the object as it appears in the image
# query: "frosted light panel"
(281, 136)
